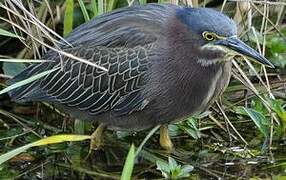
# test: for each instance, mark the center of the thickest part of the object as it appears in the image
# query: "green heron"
(164, 62)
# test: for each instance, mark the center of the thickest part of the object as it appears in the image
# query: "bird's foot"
(165, 140)
(96, 140)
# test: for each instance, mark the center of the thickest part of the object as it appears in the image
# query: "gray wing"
(90, 89)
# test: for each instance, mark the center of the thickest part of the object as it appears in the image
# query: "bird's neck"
(179, 81)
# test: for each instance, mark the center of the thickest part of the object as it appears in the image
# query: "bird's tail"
(30, 91)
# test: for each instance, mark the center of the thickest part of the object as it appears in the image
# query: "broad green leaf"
(68, 19)
(172, 163)
(13, 68)
(172, 170)
(27, 81)
(258, 105)
(49, 140)
(186, 169)
(129, 163)
(190, 127)
(9, 34)
(163, 167)
(260, 121)
(278, 108)
(240, 110)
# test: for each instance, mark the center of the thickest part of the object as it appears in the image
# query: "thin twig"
(58, 51)
(262, 2)
(231, 125)
(146, 139)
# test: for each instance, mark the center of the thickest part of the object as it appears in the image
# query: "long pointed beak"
(241, 48)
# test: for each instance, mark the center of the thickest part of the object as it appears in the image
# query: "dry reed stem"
(42, 31)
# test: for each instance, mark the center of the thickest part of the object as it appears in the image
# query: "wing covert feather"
(89, 89)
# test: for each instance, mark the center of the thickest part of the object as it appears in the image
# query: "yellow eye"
(209, 36)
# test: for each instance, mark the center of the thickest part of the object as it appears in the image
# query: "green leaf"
(142, 2)
(172, 170)
(190, 127)
(24, 60)
(49, 140)
(240, 110)
(110, 5)
(12, 69)
(129, 163)
(100, 7)
(150, 156)
(172, 163)
(277, 44)
(186, 169)
(278, 108)
(68, 19)
(258, 105)
(164, 168)
(94, 7)
(5, 157)
(27, 81)
(84, 11)
(60, 138)
(260, 121)
(9, 34)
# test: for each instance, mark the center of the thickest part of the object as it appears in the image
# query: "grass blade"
(5, 157)
(94, 7)
(9, 34)
(49, 140)
(60, 138)
(146, 139)
(27, 81)
(110, 5)
(68, 19)
(84, 11)
(100, 7)
(129, 164)
(143, 2)
(25, 60)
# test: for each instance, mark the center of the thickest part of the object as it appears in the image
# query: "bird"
(163, 63)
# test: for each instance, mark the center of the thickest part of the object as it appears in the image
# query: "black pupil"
(209, 36)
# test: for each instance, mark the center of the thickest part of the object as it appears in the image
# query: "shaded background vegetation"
(242, 135)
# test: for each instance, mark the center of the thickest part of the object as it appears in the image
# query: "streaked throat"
(213, 54)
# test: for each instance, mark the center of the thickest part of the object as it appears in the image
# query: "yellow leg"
(165, 140)
(96, 137)
(96, 140)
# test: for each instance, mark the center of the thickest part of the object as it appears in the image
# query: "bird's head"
(214, 37)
